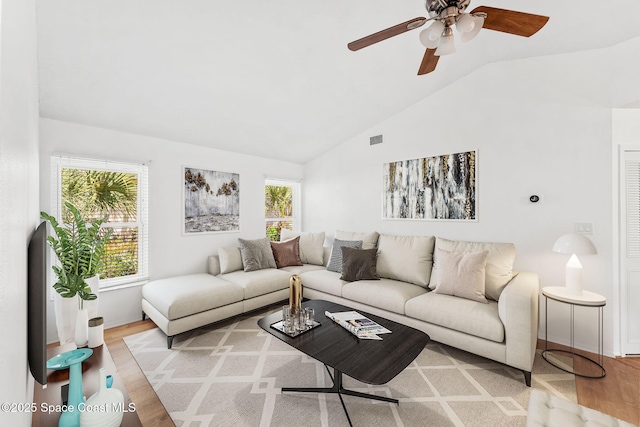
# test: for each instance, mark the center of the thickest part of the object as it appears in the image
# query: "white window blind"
(633, 208)
(127, 261)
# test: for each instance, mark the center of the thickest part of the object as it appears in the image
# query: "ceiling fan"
(438, 38)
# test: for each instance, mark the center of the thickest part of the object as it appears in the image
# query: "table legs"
(339, 390)
(547, 350)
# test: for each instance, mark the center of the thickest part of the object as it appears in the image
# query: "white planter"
(96, 332)
(66, 310)
(92, 306)
(81, 335)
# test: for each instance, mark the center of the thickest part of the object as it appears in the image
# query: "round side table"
(586, 299)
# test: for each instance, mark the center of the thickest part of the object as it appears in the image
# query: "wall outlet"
(583, 227)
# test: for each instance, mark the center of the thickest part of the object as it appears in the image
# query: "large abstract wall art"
(211, 201)
(431, 188)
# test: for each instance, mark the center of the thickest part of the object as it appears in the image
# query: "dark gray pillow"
(256, 254)
(335, 262)
(359, 264)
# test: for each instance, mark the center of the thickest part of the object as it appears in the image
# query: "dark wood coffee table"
(369, 361)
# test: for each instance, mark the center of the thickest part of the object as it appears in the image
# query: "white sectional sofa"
(498, 320)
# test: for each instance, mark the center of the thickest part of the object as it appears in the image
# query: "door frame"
(619, 251)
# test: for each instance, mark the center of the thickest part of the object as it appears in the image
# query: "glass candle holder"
(309, 316)
(287, 319)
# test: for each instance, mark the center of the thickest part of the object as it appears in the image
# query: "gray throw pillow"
(359, 264)
(335, 262)
(256, 254)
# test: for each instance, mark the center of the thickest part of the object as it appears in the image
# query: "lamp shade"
(478, 22)
(465, 23)
(446, 46)
(573, 243)
(430, 37)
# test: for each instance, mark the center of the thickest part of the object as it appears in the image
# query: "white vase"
(81, 335)
(105, 408)
(92, 306)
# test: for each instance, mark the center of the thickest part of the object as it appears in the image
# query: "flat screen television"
(37, 304)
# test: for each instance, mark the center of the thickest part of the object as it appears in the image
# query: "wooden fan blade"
(512, 22)
(387, 33)
(429, 62)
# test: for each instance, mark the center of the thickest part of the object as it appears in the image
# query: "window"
(281, 207)
(100, 188)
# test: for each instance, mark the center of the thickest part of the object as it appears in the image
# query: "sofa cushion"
(256, 254)
(286, 253)
(358, 264)
(386, 294)
(311, 245)
(461, 274)
(335, 261)
(463, 315)
(406, 258)
(499, 268)
(259, 282)
(299, 269)
(181, 296)
(230, 259)
(369, 240)
(323, 281)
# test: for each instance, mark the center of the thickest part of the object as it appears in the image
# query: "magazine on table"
(358, 325)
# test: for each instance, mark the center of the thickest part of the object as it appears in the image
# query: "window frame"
(296, 202)
(59, 162)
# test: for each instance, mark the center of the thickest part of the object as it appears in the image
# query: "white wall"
(541, 126)
(625, 86)
(18, 195)
(170, 253)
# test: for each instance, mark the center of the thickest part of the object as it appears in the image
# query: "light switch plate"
(583, 227)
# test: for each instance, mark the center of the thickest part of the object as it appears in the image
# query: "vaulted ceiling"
(272, 78)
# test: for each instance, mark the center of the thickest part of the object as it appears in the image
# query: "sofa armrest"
(518, 310)
(214, 265)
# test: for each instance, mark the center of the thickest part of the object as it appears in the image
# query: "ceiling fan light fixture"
(446, 46)
(443, 15)
(429, 37)
(465, 23)
(478, 22)
(425, 39)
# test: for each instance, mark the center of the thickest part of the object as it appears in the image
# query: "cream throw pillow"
(406, 258)
(461, 274)
(230, 259)
(499, 268)
(311, 245)
(369, 240)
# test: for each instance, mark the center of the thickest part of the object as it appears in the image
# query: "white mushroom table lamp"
(574, 244)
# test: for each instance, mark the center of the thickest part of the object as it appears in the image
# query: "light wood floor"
(617, 394)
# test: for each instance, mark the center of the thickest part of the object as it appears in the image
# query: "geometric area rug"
(231, 373)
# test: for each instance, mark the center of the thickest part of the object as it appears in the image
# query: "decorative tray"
(279, 327)
(66, 359)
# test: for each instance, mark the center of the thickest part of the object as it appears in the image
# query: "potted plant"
(79, 247)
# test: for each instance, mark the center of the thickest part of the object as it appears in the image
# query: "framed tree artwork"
(431, 188)
(211, 201)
